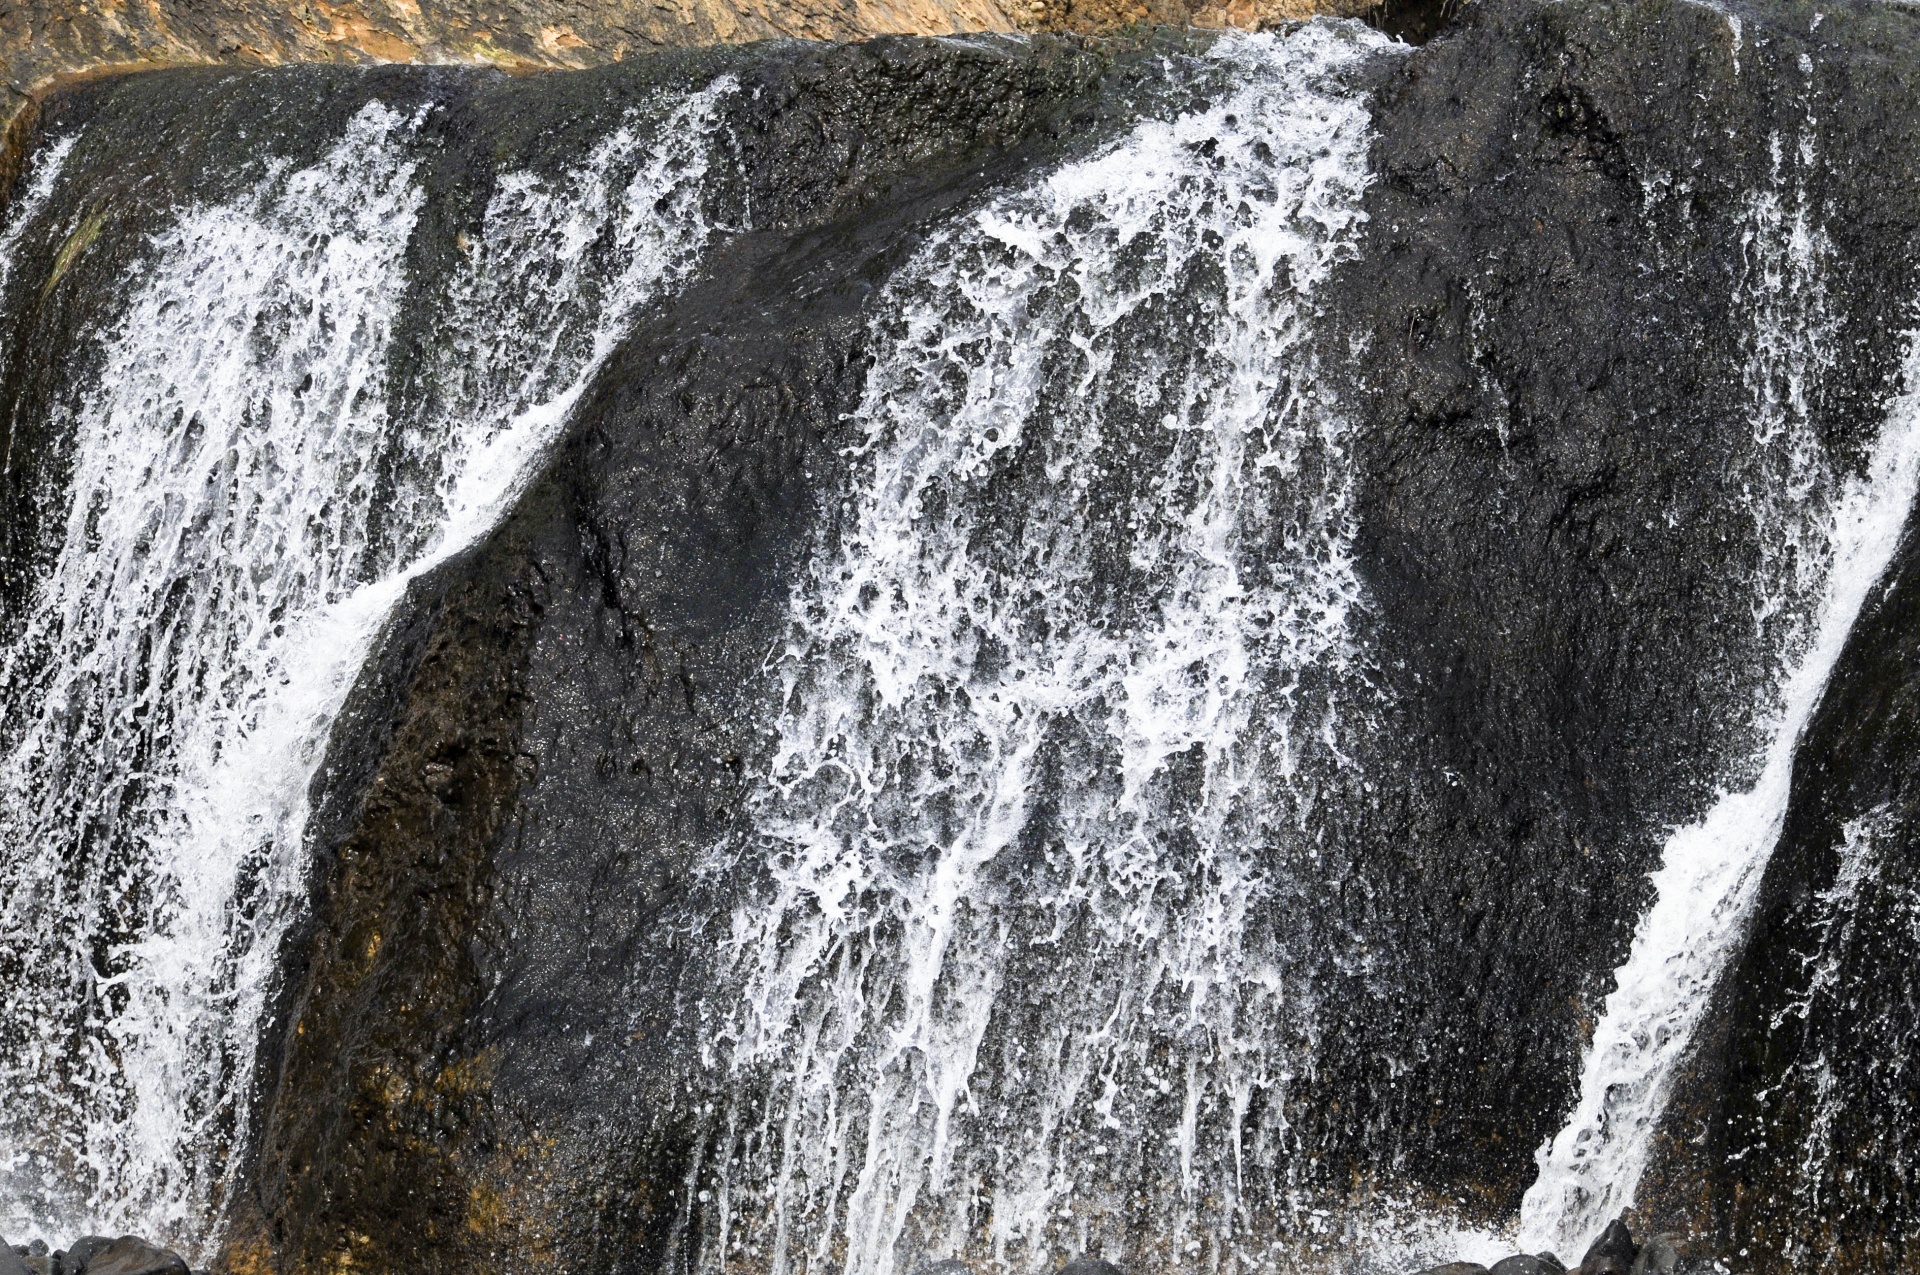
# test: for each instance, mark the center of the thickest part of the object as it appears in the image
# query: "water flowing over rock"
(1206, 652)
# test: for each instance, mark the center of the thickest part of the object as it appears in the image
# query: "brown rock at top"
(40, 39)
(43, 42)
(1091, 17)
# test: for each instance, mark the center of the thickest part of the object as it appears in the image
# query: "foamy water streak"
(1706, 884)
(1789, 482)
(224, 575)
(1807, 526)
(208, 493)
(36, 188)
(1055, 695)
(1871, 904)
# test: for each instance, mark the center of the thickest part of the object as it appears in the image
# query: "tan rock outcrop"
(43, 42)
(1090, 17)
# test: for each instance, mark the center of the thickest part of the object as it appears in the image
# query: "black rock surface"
(1552, 287)
(1611, 1254)
(1529, 1264)
(491, 1021)
(93, 1255)
(1792, 1137)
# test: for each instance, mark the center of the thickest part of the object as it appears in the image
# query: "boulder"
(1612, 1254)
(1660, 1255)
(1530, 1264)
(1084, 1265)
(1457, 1268)
(129, 1255)
(81, 1252)
(13, 1261)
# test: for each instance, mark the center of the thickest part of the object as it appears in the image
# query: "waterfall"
(1059, 695)
(1826, 543)
(228, 561)
(1088, 690)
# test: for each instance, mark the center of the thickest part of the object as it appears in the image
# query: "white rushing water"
(225, 570)
(1826, 543)
(36, 188)
(1872, 903)
(1055, 697)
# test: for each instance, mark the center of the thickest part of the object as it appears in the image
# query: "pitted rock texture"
(46, 42)
(45, 38)
(1541, 338)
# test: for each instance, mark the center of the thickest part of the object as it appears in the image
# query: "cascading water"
(1061, 696)
(1864, 853)
(1826, 542)
(37, 189)
(1174, 833)
(226, 568)
(133, 680)
(1706, 884)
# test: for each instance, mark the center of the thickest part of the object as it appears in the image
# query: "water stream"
(1826, 542)
(1032, 923)
(222, 579)
(1060, 693)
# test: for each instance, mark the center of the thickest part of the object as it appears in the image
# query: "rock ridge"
(48, 43)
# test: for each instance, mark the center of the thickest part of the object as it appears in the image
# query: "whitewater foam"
(1063, 747)
(223, 577)
(1710, 872)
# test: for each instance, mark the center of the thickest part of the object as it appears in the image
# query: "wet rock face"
(1528, 1264)
(1557, 296)
(1546, 336)
(1793, 1136)
(93, 1255)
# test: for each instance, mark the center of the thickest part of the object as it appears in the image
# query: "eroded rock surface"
(44, 42)
(1552, 339)
(44, 39)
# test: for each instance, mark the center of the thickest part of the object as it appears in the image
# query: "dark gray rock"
(1515, 472)
(946, 1266)
(1529, 1264)
(1456, 1268)
(1612, 1254)
(1798, 1107)
(130, 1255)
(1660, 1255)
(1090, 1266)
(13, 1260)
(81, 1252)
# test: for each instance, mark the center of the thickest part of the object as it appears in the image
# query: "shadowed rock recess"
(758, 686)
